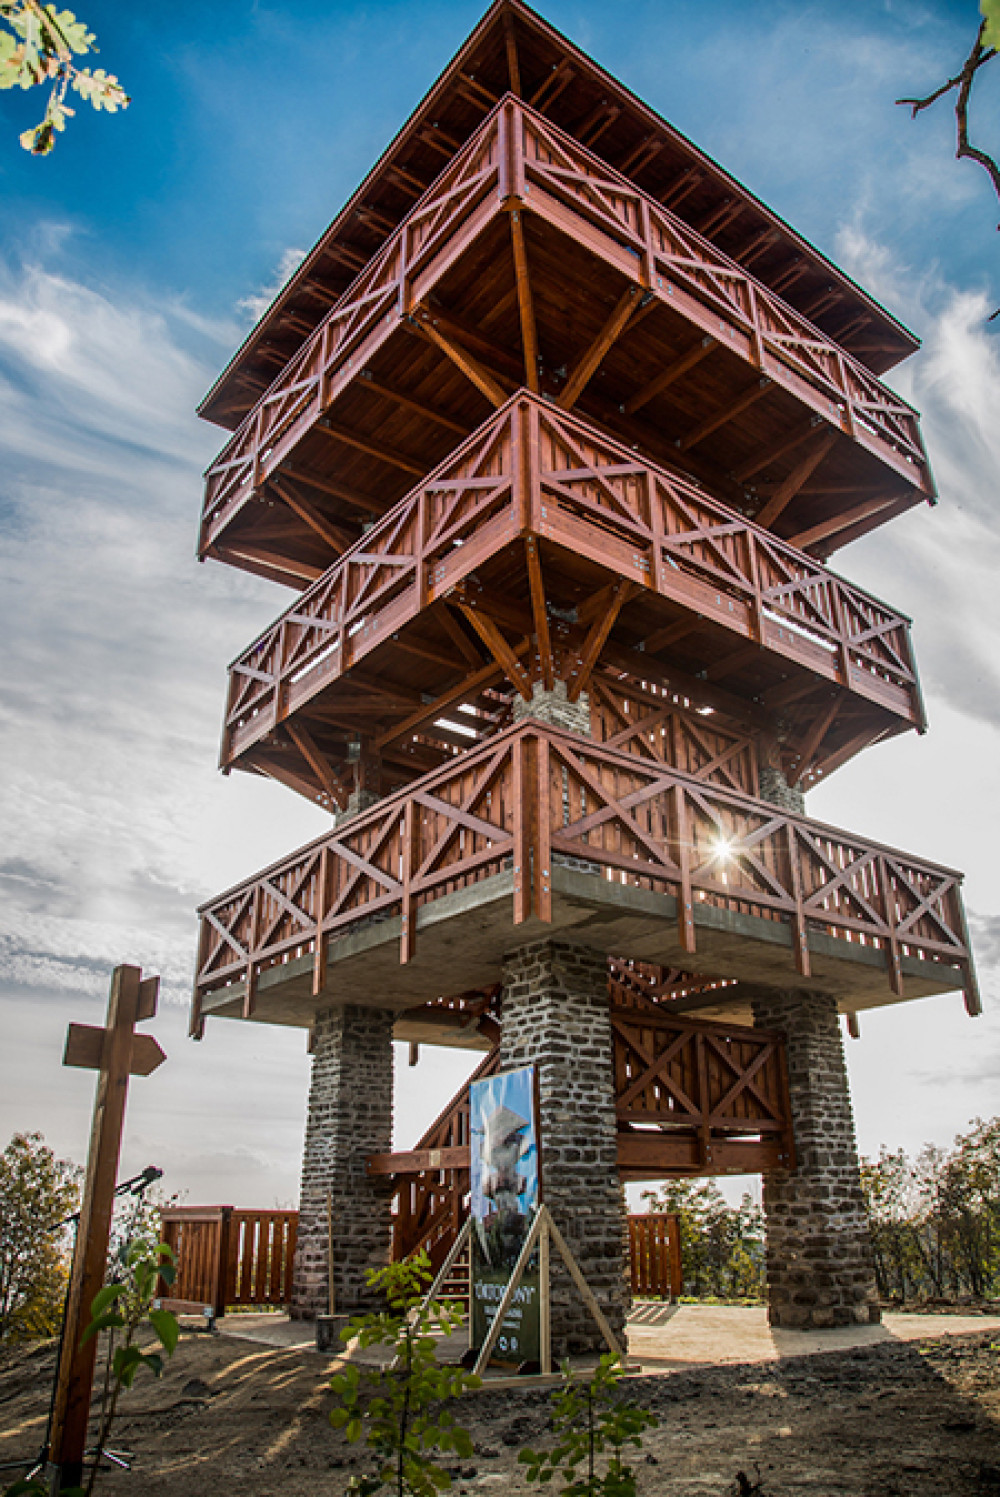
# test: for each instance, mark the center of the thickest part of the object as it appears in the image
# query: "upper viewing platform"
(530, 261)
(514, 50)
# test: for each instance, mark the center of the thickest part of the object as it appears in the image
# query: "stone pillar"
(349, 1117)
(776, 789)
(556, 1016)
(555, 708)
(819, 1257)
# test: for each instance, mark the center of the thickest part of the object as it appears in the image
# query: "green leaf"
(105, 1297)
(166, 1327)
(102, 1323)
(991, 12)
(353, 1431)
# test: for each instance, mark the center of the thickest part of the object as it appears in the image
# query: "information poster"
(505, 1197)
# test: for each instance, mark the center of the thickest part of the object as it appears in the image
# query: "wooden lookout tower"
(551, 435)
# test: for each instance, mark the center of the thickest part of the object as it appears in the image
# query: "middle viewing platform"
(527, 242)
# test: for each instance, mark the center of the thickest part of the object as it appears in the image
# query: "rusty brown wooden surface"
(638, 823)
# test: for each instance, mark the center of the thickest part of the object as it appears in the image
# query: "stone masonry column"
(349, 1117)
(556, 1016)
(819, 1257)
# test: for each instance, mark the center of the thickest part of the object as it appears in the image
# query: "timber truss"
(692, 1098)
(530, 261)
(544, 550)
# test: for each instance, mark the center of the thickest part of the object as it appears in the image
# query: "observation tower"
(551, 437)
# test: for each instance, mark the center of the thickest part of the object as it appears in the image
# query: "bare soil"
(897, 1419)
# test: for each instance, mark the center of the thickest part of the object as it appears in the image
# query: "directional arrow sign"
(85, 1048)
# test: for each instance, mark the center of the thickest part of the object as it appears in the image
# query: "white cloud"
(256, 304)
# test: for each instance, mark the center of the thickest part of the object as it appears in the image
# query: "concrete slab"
(666, 1337)
(455, 952)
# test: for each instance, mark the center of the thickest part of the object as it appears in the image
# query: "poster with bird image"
(505, 1196)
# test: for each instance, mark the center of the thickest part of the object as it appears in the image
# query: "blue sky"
(128, 262)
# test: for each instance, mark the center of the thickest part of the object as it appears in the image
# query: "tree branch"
(963, 81)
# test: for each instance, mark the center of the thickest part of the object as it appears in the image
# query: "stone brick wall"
(556, 1016)
(776, 789)
(554, 708)
(819, 1259)
(349, 1117)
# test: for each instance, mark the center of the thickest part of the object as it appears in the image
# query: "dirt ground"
(894, 1419)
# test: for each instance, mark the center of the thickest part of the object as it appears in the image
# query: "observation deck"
(537, 546)
(550, 833)
(530, 261)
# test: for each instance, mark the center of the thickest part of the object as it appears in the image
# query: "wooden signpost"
(115, 1052)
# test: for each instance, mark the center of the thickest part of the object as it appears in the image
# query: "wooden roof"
(513, 49)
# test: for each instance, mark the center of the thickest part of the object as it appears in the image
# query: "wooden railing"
(535, 795)
(695, 1097)
(227, 1258)
(517, 158)
(587, 493)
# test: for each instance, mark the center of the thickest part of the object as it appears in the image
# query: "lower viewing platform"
(549, 832)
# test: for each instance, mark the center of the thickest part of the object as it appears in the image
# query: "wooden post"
(116, 1053)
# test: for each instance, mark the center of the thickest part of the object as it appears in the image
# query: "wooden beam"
(320, 766)
(773, 450)
(787, 490)
(370, 445)
(427, 411)
(618, 596)
(484, 383)
(499, 648)
(537, 585)
(848, 519)
(525, 302)
(487, 676)
(735, 660)
(336, 537)
(670, 635)
(365, 502)
(588, 361)
(457, 635)
(817, 732)
(513, 65)
(726, 413)
(416, 1161)
(292, 573)
(673, 371)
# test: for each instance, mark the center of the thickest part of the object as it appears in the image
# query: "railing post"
(888, 903)
(249, 994)
(319, 953)
(685, 895)
(540, 793)
(524, 805)
(223, 1275)
(409, 856)
(800, 934)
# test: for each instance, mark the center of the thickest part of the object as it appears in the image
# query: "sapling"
(406, 1423)
(590, 1421)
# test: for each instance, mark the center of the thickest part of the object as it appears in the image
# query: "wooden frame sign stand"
(543, 1234)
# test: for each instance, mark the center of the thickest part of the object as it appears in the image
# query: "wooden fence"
(655, 1256)
(228, 1258)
